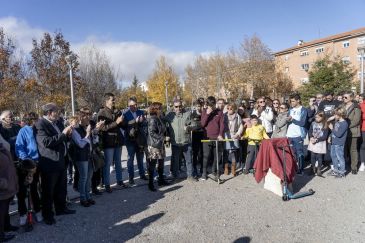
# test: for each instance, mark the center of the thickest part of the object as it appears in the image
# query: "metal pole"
(72, 92)
(362, 71)
(167, 99)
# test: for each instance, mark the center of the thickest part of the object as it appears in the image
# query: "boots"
(233, 169)
(226, 169)
(151, 187)
(319, 172)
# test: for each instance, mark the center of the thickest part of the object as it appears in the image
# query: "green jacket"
(354, 120)
(177, 127)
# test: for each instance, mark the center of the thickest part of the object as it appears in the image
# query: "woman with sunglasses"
(276, 106)
(233, 129)
(281, 122)
(82, 142)
(265, 115)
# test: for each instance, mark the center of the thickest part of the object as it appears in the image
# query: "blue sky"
(182, 28)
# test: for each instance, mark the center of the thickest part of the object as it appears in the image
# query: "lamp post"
(361, 50)
(167, 98)
(70, 59)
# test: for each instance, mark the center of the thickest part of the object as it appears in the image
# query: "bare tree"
(97, 76)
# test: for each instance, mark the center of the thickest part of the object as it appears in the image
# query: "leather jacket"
(156, 132)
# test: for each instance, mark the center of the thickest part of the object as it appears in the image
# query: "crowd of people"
(83, 148)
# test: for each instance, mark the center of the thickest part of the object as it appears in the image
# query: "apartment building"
(298, 60)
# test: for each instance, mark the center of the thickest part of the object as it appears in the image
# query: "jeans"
(134, 150)
(177, 152)
(338, 159)
(298, 147)
(112, 154)
(86, 171)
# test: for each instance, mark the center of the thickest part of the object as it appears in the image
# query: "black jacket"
(51, 146)
(111, 135)
(80, 154)
(156, 132)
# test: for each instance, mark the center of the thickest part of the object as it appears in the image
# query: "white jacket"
(266, 118)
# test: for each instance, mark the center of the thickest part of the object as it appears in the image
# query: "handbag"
(97, 159)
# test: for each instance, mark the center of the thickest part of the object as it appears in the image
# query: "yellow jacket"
(257, 133)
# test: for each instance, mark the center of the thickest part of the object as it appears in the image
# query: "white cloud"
(21, 32)
(139, 58)
(128, 58)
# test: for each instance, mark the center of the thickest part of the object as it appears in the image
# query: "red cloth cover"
(271, 156)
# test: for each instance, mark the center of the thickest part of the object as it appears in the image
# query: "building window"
(286, 69)
(304, 80)
(346, 44)
(319, 50)
(305, 66)
(304, 53)
(361, 40)
(286, 58)
(346, 60)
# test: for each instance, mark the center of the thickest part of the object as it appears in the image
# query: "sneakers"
(131, 182)
(191, 179)
(39, 217)
(23, 220)
(339, 176)
(245, 171)
(362, 167)
(121, 184)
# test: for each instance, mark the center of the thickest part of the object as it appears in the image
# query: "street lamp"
(167, 98)
(361, 50)
(71, 59)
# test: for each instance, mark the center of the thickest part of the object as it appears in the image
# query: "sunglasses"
(177, 106)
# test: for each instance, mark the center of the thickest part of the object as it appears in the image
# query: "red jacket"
(271, 156)
(362, 107)
(213, 123)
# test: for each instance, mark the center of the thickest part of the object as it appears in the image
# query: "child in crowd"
(255, 134)
(339, 134)
(318, 133)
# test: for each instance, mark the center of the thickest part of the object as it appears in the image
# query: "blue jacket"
(26, 145)
(129, 123)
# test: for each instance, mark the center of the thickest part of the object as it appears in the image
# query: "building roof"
(331, 38)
